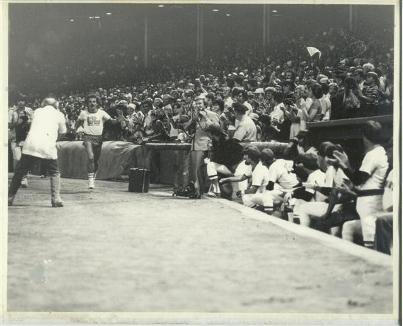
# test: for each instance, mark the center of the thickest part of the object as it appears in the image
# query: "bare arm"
(237, 178)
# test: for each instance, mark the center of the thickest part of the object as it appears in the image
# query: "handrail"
(349, 122)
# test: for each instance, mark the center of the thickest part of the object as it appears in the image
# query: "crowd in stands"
(219, 104)
(283, 91)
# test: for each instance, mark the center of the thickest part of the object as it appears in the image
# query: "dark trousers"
(25, 164)
(384, 233)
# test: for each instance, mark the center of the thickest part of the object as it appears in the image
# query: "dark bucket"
(139, 180)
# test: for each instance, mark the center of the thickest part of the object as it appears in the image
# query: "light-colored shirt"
(317, 178)
(375, 163)
(245, 129)
(47, 124)
(277, 115)
(228, 102)
(326, 105)
(243, 169)
(249, 107)
(281, 172)
(387, 199)
(94, 122)
(260, 177)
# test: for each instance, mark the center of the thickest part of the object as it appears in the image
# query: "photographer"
(200, 120)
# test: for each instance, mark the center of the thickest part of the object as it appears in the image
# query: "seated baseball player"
(255, 194)
(282, 178)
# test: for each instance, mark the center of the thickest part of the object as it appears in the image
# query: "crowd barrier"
(169, 162)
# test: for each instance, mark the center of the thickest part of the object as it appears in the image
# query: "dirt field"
(111, 250)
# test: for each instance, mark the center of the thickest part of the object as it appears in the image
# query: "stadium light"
(161, 6)
(215, 10)
(108, 13)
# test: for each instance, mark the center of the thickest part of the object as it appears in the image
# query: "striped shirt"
(371, 91)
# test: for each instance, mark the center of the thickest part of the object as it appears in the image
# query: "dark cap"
(253, 153)
(267, 156)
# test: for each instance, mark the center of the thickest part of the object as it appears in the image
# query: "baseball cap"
(267, 156)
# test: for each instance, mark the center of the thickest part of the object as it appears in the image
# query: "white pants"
(311, 209)
(351, 230)
(368, 207)
(265, 199)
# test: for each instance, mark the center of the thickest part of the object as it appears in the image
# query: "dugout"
(348, 133)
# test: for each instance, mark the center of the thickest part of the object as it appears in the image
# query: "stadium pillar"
(200, 34)
(266, 28)
(350, 18)
(145, 42)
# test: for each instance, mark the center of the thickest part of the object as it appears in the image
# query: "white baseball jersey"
(243, 169)
(260, 177)
(281, 172)
(318, 178)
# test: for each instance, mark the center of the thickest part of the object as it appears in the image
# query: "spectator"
(369, 96)
(314, 111)
(351, 104)
(246, 128)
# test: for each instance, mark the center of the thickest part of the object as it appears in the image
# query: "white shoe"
(24, 182)
(91, 183)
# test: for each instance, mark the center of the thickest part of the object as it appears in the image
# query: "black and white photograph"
(201, 163)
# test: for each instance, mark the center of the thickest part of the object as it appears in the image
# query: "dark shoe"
(188, 191)
(57, 204)
(11, 200)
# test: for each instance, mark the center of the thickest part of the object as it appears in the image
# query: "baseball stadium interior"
(284, 109)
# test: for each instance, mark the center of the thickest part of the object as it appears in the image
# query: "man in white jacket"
(47, 123)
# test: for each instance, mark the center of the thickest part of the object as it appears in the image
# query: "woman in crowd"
(313, 112)
(351, 104)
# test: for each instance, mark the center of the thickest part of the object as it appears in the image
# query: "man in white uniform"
(47, 123)
(282, 180)
(92, 121)
(334, 177)
(371, 175)
(255, 194)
